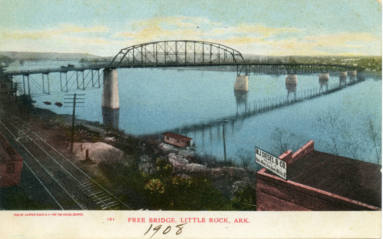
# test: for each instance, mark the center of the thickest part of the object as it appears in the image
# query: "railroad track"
(67, 184)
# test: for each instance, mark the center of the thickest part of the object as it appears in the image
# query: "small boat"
(47, 102)
(59, 104)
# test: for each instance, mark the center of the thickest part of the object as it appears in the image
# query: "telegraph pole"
(73, 116)
(74, 100)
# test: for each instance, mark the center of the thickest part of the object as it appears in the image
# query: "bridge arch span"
(177, 53)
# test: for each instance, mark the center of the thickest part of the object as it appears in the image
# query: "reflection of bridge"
(258, 107)
(175, 53)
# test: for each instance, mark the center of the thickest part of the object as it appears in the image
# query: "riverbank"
(143, 172)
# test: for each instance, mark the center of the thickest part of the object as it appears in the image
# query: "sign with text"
(272, 163)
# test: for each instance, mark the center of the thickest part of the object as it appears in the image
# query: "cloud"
(255, 30)
(248, 38)
(344, 43)
(178, 21)
(165, 28)
(61, 30)
(180, 27)
(62, 38)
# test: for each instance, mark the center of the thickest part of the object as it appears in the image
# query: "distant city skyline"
(262, 27)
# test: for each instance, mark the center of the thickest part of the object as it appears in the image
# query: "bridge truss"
(178, 53)
(171, 53)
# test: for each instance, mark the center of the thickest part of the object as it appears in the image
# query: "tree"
(284, 140)
(336, 129)
(375, 137)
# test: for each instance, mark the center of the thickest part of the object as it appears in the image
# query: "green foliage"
(166, 190)
(128, 180)
(155, 186)
(173, 192)
(244, 199)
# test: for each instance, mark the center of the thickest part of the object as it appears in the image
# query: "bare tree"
(328, 122)
(341, 141)
(284, 140)
(280, 140)
(375, 137)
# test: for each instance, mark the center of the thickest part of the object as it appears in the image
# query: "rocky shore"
(145, 172)
(147, 155)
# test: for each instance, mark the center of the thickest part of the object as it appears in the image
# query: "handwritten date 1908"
(166, 230)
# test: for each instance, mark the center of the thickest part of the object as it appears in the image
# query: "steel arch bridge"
(177, 53)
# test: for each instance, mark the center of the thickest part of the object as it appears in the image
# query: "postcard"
(190, 119)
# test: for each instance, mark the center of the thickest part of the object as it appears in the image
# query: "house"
(177, 139)
(319, 181)
(11, 164)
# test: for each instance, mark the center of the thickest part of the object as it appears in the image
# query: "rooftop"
(346, 177)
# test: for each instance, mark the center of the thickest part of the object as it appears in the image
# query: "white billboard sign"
(272, 163)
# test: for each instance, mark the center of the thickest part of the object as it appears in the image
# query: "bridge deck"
(252, 67)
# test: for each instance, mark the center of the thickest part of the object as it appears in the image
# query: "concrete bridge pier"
(242, 83)
(323, 81)
(91, 76)
(291, 85)
(61, 83)
(66, 81)
(77, 84)
(43, 79)
(353, 75)
(26, 85)
(110, 99)
(110, 117)
(83, 80)
(98, 78)
(23, 85)
(342, 78)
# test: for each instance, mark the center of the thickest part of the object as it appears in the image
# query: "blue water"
(153, 100)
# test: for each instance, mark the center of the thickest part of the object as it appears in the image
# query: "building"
(11, 164)
(319, 181)
(177, 139)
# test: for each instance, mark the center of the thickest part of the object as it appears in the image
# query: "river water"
(155, 100)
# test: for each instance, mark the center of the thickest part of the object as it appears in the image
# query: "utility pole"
(73, 116)
(74, 100)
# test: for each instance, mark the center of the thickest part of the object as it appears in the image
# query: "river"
(154, 100)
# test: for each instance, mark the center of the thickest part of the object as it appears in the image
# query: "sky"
(261, 27)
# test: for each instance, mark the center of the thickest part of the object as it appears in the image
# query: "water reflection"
(185, 100)
(240, 100)
(342, 78)
(291, 85)
(110, 117)
(323, 81)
